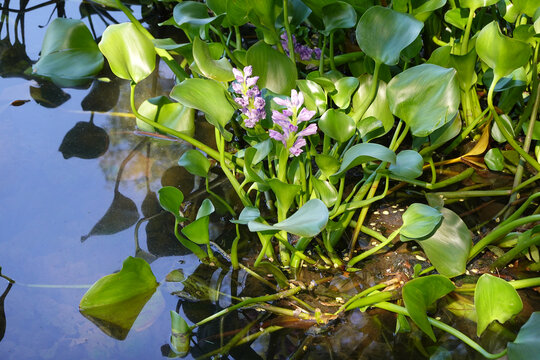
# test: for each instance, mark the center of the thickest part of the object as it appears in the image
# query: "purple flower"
(287, 121)
(304, 52)
(250, 96)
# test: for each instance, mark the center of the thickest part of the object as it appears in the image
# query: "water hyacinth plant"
(406, 112)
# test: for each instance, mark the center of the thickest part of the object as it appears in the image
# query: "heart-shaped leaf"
(338, 125)
(308, 221)
(166, 112)
(420, 220)
(195, 163)
(285, 193)
(170, 199)
(526, 345)
(338, 15)
(408, 164)
(363, 153)
(195, 93)
(130, 54)
(314, 95)
(475, 4)
(198, 231)
(494, 299)
(219, 70)
(425, 96)
(117, 299)
(499, 52)
(69, 53)
(420, 293)
(327, 164)
(378, 109)
(457, 17)
(275, 70)
(382, 33)
(345, 87)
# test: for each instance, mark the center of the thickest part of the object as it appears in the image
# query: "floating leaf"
(409, 164)
(494, 299)
(363, 153)
(168, 113)
(220, 70)
(194, 93)
(425, 96)
(420, 293)
(336, 124)
(499, 52)
(420, 220)
(308, 221)
(85, 140)
(69, 53)
(115, 300)
(338, 15)
(130, 54)
(345, 87)
(170, 199)
(382, 33)
(526, 345)
(195, 162)
(275, 70)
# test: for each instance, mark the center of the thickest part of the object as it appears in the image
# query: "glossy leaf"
(494, 299)
(448, 248)
(170, 199)
(379, 108)
(345, 87)
(69, 53)
(195, 163)
(338, 15)
(275, 70)
(447, 132)
(117, 299)
(363, 153)
(220, 70)
(370, 128)
(457, 17)
(527, 7)
(328, 165)
(168, 113)
(308, 221)
(475, 4)
(197, 231)
(499, 52)
(285, 193)
(420, 293)
(336, 124)
(423, 11)
(494, 159)
(408, 164)
(180, 334)
(382, 33)
(325, 191)
(191, 13)
(314, 95)
(195, 93)
(419, 221)
(130, 54)
(205, 209)
(425, 96)
(526, 345)
(248, 214)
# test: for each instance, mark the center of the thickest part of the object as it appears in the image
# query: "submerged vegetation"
(324, 112)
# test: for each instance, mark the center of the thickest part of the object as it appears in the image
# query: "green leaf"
(408, 164)
(336, 124)
(370, 128)
(180, 334)
(278, 275)
(314, 95)
(419, 221)
(285, 193)
(130, 54)
(115, 300)
(427, 8)
(205, 209)
(527, 7)
(425, 96)
(496, 133)
(447, 132)
(494, 299)
(308, 221)
(248, 214)
(379, 107)
(276, 71)
(168, 113)
(448, 248)
(196, 93)
(457, 17)
(526, 345)
(170, 199)
(499, 52)
(195, 163)
(69, 54)
(475, 4)
(345, 87)
(363, 153)
(494, 159)
(382, 33)
(198, 231)
(325, 191)
(338, 15)
(219, 70)
(420, 293)
(191, 13)
(328, 165)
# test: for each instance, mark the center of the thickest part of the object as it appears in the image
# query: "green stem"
(515, 251)
(358, 296)
(220, 199)
(461, 136)
(474, 193)
(465, 44)
(191, 246)
(234, 249)
(516, 284)
(438, 324)
(255, 336)
(238, 37)
(227, 50)
(290, 44)
(373, 250)
(371, 300)
(331, 52)
(321, 59)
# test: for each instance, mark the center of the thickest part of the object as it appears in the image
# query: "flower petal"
(305, 115)
(309, 130)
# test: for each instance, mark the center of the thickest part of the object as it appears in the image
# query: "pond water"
(77, 196)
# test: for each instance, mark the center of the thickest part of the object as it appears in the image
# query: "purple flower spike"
(251, 101)
(296, 149)
(248, 70)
